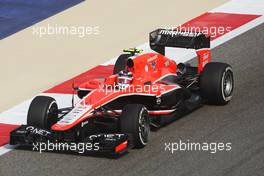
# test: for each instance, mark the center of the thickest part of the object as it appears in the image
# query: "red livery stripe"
(96, 72)
(227, 21)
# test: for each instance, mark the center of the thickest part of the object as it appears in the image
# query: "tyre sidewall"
(211, 83)
(142, 114)
(38, 113)
(129, 123)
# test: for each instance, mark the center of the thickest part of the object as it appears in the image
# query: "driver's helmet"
(124, 78)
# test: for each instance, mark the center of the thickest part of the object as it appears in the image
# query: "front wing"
(102, 142)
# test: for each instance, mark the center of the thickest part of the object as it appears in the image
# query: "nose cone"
(75, 116)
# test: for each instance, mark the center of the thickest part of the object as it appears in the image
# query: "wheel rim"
(143, 128)
(228, 84)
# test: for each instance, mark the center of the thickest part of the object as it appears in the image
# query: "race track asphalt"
(241, 122)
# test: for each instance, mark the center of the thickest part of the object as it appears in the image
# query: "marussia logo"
(179, 33)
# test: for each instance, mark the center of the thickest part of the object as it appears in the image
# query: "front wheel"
(42, 112)
(134, 120)
(217, 83)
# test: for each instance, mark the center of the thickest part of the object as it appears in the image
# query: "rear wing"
(162, 38)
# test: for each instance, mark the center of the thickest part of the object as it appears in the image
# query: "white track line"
(252, 24)
(253, 7)
(6, 148)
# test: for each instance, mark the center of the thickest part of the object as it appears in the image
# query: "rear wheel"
(217, 83)
(135, 121)
(120, 63)
(42, 112)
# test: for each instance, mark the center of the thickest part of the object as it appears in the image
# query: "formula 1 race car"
(145, 91)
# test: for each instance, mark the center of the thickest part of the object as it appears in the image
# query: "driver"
(124, 79)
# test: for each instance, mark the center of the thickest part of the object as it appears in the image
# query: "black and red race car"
(145, 90)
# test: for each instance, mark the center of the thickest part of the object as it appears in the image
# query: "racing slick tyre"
(120, 63)
(42, 112)
(217, 83)
(135, 121)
